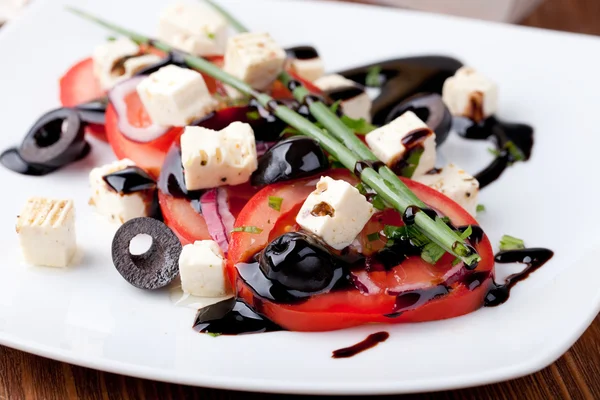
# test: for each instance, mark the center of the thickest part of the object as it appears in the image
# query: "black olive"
(56, 139)
(129, 180)
(302, 52)
(299, 262)
(11, 159)
(293, 158)
(93, 112)
(430, 108)
(155, 268)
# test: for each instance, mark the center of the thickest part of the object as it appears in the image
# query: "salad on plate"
(294, 199)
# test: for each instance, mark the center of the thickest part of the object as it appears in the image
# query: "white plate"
(88, 315)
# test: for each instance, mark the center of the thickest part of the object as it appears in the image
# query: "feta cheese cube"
(396, 142)
(46, 231)
(193, 28)
(118, 207)
(254, 58)
(455, 183)
(335, 211)
(133, 65)
(355, 101)
(470, 94)
(310, 69)
(202, 269)
(175, 96)
(216, 158)
(109, 58)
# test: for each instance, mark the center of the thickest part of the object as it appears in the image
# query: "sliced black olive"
(430, 108)
(56, 139)
(231, 317)
(93, 112)
(299, 262)
(155, 268)
(173, 58)
(293, 158)
(11, 159)
(129, 180)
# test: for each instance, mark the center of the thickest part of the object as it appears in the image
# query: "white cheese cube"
(108, 60)
(175, 96)
(46, 231)
(355, 101)
(202, 269)
(132, 65)
(216, 158)
(470, 94)
(193, 28)
(335, 211)
(254, 58)
(118, 207)
(310, 69)
(455, 183)
(395, 142)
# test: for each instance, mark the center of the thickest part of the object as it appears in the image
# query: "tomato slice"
(79, 85)
(350, 307)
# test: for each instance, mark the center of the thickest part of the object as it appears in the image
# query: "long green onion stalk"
(344, 145)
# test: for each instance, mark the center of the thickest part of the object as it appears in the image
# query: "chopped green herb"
(253, 115)
(247, 229)
(290, 131)
(480, 208)
(412, 162)
(511, 243)
(373, 78)
(275, 203)
(335, 106)
(406, 232)
(468, 232)
(445, 220)
(213, 334)
(456, 261)
(362, 189)
(431, 253)
(515, 152)
(359, 126)
(495, 152)
(211, 35)
(373, 236)
(378, 202)
(111, 38)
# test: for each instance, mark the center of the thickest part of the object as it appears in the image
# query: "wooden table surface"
(576, 375)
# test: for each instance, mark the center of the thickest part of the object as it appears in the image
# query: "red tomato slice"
(346, 308)
(78, 86)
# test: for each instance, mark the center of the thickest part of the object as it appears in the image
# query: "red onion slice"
(223, 207)
(117, 98)
(210, 211)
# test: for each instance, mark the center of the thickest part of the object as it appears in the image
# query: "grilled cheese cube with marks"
(335, 211)
(118, 206)
(254, 58)
(355, 102)
(175, 96)
(470, 94)
(46, 229)
(306, 62)
(202, 269)
(456, 184)
(194, 28)
(406, 145)
(216, 158)
(118, 60)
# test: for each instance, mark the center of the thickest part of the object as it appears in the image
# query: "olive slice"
(56, 139)
(293, 158)
(430, 108)
(93, 112)
(155, 268)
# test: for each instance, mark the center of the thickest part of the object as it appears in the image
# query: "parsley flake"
(275, 202)
(247, 229)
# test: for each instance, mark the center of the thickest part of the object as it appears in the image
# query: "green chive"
(515, 152)
(275, 203)
(373, 236)
(511, 243)
(431, 253)
(495, 152)
(111, 38)
(378, 203)
(361, 188)
(480, 208)
(456, 261)
(247, 229)
(335, 106)
(373, 76)
(359, 126)
(412, 162)
(468, 232)
(290, 131)
(253, 115)
(213, 334)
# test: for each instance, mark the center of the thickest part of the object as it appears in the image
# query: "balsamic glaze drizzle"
(231, 317)
(371, 341)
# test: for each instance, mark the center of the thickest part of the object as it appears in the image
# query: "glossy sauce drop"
(231, 317)
(370, 342)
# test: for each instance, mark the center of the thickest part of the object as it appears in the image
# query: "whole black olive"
(293, 158)
(430, 108)
(299, 262)
(93, 112)
(56, 139)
